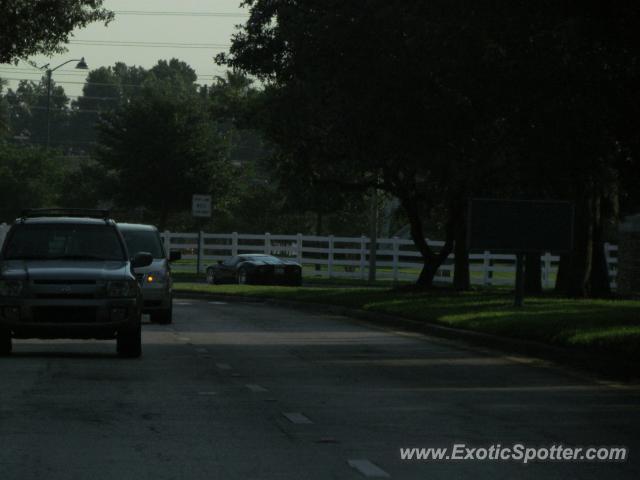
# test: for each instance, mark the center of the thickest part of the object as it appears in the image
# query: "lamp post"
(82, 65)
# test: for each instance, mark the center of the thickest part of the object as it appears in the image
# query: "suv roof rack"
(65, 212)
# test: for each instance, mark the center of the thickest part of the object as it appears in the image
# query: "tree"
(28, 112)
(162, 147)
(451, 100)
(364, 103)
(29, 27)
(4, 112)
(105, 89)
(29, 178)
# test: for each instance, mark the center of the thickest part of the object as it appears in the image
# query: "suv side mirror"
(142, 259)
(174, 255)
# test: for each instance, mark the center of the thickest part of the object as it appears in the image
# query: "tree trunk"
(431, 260)
(599, 279)
(533, 273)
(579, 271)
(562, 277)
(427, 274)
(461, 278)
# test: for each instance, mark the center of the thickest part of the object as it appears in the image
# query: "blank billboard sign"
(520, 226)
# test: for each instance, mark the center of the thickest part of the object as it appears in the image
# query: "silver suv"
(68, 274)
(155, 279)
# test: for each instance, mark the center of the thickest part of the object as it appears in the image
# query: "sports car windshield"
(64, 242)
(264, 259)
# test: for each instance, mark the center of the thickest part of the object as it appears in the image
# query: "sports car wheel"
(211, 276)
(242, 277)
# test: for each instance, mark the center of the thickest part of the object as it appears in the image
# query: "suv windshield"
(64, 241)
(143, 241)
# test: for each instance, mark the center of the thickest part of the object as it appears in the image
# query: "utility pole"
(49, 73)
(82, 65)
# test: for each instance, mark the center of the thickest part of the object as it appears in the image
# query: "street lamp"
(81, 65)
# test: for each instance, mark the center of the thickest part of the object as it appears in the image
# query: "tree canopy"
(29, 27)
(161, 144)
(440, 101)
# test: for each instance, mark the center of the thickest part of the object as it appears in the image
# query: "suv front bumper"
(95, 318)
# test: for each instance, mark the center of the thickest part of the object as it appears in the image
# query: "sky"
(143, 39)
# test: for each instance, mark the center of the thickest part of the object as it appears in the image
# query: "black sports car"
(257, 269)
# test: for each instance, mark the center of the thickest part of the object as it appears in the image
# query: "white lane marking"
(206, 393)
(184, 339)
(256, 388)
(202, 350)
(223, 366)
(217, 303)
(297, 417)
(183, 303)
(368, 469)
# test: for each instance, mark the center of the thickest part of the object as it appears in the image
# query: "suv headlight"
(11, 288)
(122, 288)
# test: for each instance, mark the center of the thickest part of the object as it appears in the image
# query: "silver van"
(155, 280)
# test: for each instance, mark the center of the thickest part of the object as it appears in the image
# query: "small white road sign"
(201, 206)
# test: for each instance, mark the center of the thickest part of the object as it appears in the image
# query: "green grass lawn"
(610, 327)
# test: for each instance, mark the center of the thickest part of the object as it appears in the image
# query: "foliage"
(28, 112)
(4, 112)
(106, 88)
(29, 178)
(161, 145)
(454, 100)
(29, 27)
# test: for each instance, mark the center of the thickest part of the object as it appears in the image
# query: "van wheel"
(5, 342)
(129, 342)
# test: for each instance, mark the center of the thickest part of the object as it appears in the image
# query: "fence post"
(299, 248)
(486, 268)
(363, 256)
(234, 244)
(546, 270)
(330, 257)
(607, 260)
(267, 243)
(396, 258)
(200, 251)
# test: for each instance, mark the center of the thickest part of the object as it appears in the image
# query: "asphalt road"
(247, 391)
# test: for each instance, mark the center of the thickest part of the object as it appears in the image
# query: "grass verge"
(603, 327)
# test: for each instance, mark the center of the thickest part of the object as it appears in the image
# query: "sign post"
(200, 208)
(520, 227)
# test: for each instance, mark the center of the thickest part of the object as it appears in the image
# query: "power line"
(81, 75)
(181, 14)
(115, 43)
(99, 84)
(68, 110)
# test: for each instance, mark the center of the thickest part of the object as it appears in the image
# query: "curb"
(608, 367)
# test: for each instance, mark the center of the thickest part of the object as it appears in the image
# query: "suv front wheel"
(129, 342)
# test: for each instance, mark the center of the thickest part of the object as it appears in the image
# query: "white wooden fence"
(348, 257)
